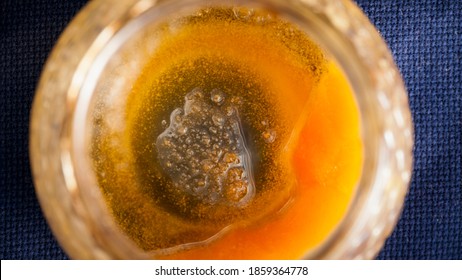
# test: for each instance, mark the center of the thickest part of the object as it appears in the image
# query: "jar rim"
(339, 26)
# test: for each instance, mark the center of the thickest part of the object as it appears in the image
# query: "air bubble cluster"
(204, 153)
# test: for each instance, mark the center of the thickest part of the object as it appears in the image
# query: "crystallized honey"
(242, 141)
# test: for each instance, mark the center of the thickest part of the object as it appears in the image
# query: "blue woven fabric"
(425, 38)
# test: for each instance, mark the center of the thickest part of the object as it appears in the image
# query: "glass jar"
(91, 57)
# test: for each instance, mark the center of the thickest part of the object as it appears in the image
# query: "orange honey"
(298, 122)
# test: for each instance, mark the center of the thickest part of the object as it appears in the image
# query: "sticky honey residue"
(241, 141)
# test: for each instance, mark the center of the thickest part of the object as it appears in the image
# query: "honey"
(242, 140)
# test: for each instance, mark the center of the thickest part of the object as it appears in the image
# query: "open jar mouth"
(94, 67)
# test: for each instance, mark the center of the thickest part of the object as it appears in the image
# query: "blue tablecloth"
(425, 38)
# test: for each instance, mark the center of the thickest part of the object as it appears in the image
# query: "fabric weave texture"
(425, 38)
